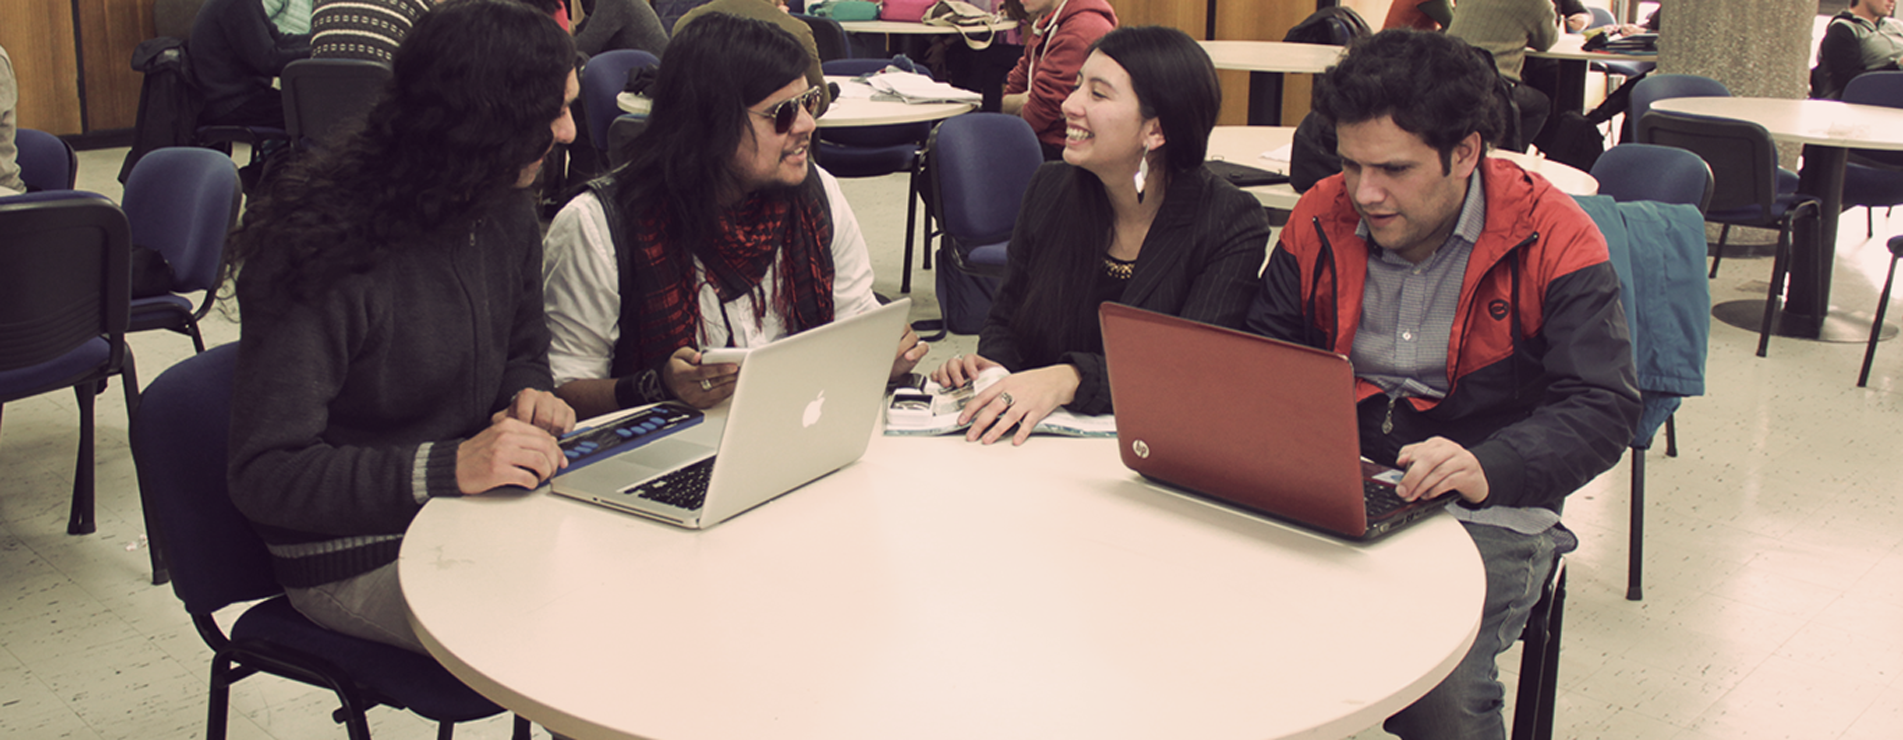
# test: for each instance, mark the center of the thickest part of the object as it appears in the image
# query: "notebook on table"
(803, 407)
(1252, 422)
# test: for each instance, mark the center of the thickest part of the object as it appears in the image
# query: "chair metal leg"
(1876, 326)
(521, 728)
(911, 225)
(1719, 255)
(220, 703)
(1774, 298)
(1635, 546)
(1539, 660)
(445, 731)
(81, 520)
(1671, 436)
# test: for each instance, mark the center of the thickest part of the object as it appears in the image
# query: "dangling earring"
(1143, 173)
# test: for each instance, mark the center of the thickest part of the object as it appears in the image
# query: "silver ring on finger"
(1007, 399)
(706, 385)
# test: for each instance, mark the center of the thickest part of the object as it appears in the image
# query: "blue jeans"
(1466, 705)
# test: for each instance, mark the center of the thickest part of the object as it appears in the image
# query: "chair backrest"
(1601, 17)
(183, 201)
(46, 161)
(626, 128)
(605, 76)
(1742, 158)
(981, 164)
(1656, 87)
(1629, 172)
(323, 97)
(179, 440)
(67, 280)
(1876, 88)
(829, 38)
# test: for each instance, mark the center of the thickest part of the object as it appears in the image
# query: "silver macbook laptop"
(804, 406)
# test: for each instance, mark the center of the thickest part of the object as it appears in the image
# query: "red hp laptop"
(1248, 421)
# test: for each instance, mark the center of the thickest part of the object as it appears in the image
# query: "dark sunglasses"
(788, 110)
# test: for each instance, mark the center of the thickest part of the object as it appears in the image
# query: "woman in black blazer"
(1130, 215)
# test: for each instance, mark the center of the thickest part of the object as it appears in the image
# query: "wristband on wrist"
(626, 395)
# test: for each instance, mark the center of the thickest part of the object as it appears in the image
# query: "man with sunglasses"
(718, 232)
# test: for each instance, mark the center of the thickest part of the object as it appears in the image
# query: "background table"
(1245, 145)
(1574, 64)
(939, 589)
(847, 112)
(1267, 61)
(1828, 129)
(908, 28)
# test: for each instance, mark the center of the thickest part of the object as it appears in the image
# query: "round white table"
(1828, 129)
(1266, 62)
(1245, 145)
(907, 28)
(847, 111)
(939, 589)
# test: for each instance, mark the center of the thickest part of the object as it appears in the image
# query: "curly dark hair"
(477, 84)
(1433, 85)
(717, 66)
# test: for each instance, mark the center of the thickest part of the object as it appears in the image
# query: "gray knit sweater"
(347, 410)
(1506, 28)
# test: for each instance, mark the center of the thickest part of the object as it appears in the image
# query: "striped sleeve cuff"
(433, 472)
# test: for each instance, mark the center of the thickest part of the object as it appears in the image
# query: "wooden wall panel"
(38, 36)
(109, 31)
(1187, 15)
(1259, 20)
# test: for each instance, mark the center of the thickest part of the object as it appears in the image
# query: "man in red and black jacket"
(1491, 353)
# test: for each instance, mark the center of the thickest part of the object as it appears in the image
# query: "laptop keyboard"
(1381, 498)
(685, 488)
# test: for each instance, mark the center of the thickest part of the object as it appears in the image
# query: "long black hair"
(1174, 83)
(476, 87)
(681, 166)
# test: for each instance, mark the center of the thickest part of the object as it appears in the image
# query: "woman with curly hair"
(393, 347)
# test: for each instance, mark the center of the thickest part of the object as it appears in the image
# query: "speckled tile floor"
(1774, 553)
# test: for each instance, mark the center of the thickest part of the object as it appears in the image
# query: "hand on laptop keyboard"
(1438, 465)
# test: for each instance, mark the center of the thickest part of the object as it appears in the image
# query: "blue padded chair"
(1745, 188)
(1659, 87)
(1883, 304)
(604, 77)
(979, 165)
(46, 161)
(63, 311)
(872, 151)
(1644, 172)
(182, 202)
(324, 97)
(1874, 178)
(179, 441)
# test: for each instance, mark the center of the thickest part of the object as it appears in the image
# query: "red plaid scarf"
(791, 228)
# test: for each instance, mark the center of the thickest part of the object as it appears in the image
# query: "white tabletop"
(1824, 122)
(1246, 144)
(1272, 56)
(1569, 46)
(906, 27)
(854, 111)
(939, 589)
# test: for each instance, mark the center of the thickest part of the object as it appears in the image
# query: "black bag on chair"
(1572, 140)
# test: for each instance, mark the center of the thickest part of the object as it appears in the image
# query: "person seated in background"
(393, 348)
(10, 182)
(1061, 34)
(1573, 15)
(1506, 29)
(1421, 16)
(619, 24)
(1864, 38)
(236, 53)
(289, 16)
(1130, 215)
(362, 29)
(718, 232)
(1481, 312)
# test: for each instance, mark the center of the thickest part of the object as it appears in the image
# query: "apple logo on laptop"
(811, 416)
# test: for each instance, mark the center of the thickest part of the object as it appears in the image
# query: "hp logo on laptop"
(1141, 448)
